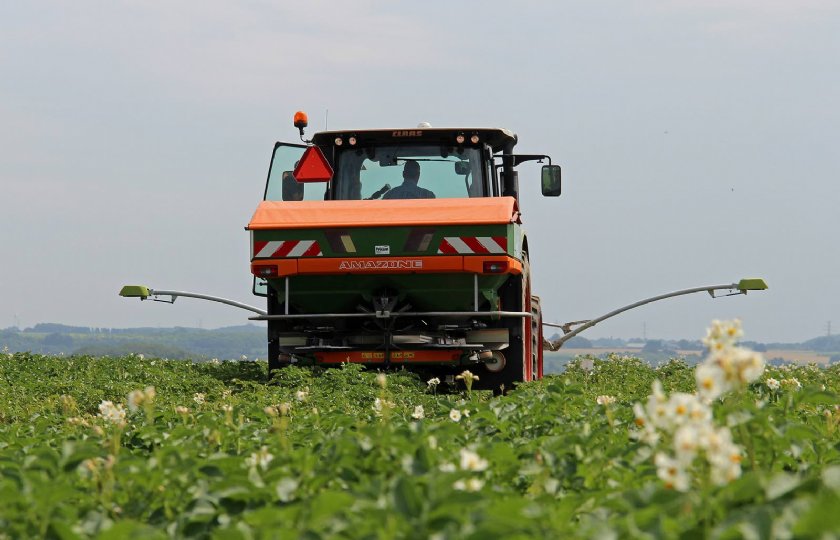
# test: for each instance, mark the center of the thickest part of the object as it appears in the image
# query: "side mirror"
(292, 190)
(260, 287)
(551, 180)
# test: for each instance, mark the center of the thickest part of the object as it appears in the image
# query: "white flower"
(111, 413)
(199, 398)
(183, 411)
(433, 382)
(750, 364)
(260, 459)
(381, 380)
(641, 419)
(715, 440)
(286, 488)
(711, 381)
(136, 398)
(679, 407)
(605, 400)
(671, 472)
(725, 463)
(455, 415)
(447, 467)
(243, 358)
(380, 405)
(140, 357)
(686, 443)
(467, 376)
(418, 413)
(772, 384)
(792, 382)
(471, 484)
(471, 461)
(215, 362)
(301, 395)
(722, 334)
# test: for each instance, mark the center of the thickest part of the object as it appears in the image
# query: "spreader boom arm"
(142, 292)
(751, 284)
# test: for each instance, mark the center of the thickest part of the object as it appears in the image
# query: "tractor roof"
(497, 138)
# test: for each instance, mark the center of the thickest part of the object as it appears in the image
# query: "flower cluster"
(685, 421)
(112, 413)
(261, 459)
(381, 406)
(455, 415)
(728, 367)
(605, 400)
(792, 383)
(683, 424)
(471, 461)
(139, 398)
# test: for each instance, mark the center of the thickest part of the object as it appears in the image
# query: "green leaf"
(407, 498)
(780, 485)
(817, 397)
(129, 529)
(831, 477)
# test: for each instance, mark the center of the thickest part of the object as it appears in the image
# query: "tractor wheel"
(536, 338)
(521, 364)
(274, 330)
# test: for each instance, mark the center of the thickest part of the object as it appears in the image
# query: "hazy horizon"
(697, 139)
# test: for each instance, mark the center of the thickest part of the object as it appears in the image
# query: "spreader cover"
(384, 213)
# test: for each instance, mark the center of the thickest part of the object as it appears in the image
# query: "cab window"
(446, 172)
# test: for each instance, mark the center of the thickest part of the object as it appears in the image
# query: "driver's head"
(411, 171)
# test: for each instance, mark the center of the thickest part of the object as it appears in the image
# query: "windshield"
(410, 172)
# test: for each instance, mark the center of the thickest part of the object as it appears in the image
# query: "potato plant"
(150, 448)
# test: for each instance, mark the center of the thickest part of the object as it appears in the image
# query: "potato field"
(612, 448)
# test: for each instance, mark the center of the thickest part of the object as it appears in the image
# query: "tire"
(521, 362)
(537, 349)
(273, 332)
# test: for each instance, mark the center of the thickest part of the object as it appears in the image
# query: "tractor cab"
(442, 163)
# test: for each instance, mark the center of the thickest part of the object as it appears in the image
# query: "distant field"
(798, 357)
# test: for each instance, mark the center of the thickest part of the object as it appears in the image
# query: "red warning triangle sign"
(313, 167)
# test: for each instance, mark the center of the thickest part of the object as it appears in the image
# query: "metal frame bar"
(393, 314)
(475, 292)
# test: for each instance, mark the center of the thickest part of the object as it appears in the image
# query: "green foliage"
(333, 453)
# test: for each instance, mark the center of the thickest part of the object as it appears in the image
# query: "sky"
(698, 140)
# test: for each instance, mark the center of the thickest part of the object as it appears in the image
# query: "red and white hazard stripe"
(468, 245)
(287, 248)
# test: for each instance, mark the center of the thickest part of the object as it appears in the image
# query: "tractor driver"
(409, 188)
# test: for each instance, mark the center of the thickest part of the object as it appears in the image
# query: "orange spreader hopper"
(384, 213)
